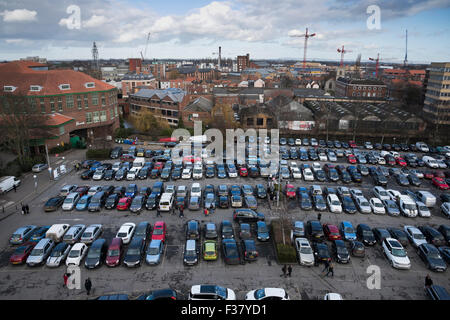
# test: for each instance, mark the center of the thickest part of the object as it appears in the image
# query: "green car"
(210, 250)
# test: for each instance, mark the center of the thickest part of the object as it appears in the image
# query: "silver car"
(22, 234)
(154, 252)
(40, 252)
(391, 207)
(58, 255)
(363, 205)
(91, 233)
(74, 233)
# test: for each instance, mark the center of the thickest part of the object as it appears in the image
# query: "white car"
(267, 294)
(334, 204)
(308, 175)
(445, 207)
(441, 164)
(71, 201)
(355, 193)
(197, 173)
(126, 232)
(332, 296)
(363, 205)
(316, 166)
(116, 166)
(293, 165)
(414, 235)
(186, 174)
(76, 254)
(377, 206)
(381, 193)
(423, 209)
(304, 252)
(298, 142)
(393, 194)
(296, 173)
(93, 190)
(396, 254)
(98, 174)
(381, 160)
(211, 292)
(323, 157)
(430, 162)
(196, 190)
(132, 174)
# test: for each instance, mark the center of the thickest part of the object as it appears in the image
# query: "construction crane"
(342, 52)
(377, 60)
(405, 62)
(306, 36)
(358, 66)
(145, 50)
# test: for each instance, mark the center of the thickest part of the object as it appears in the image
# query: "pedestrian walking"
(319, 216)
(181, 212)
(27, 209)
(284, 269)
(330, 270)
(327, 266)
(15, 188)
(23, 209)
(206, 212)
(88, 285)
(428, 281)
(65, 277)
(158, 213)
(289, 270)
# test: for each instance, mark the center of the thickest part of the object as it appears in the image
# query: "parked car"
(21, 253)
(432, 258)
(40, 252)
(96, 254)
(114, 253)
(135, 252)
(76, 254)
(395, 253)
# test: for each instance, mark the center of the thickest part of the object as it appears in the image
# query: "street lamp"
(35, 182)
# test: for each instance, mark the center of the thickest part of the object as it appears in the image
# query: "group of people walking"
(25, 209)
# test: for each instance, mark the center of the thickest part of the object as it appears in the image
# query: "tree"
(148, 123)
(21, 122)
(173, 74)
(222, 118)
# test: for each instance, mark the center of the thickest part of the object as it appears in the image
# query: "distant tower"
(220, 56)
(95, 65)
(405, 62)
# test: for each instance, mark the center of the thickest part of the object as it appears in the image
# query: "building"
(361, 88)
(133, 81)
(243, 62)
(166, 104)
(109, 73)
(73, 102)
(437, 96)
(198, 110)
(134, 65)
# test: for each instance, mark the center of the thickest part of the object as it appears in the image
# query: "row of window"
(101, 116)
(369, 94)
(259, 121)
(164, 112)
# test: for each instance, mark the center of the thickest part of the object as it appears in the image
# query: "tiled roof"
(57, 119)
(21, 75)
(174, 94)
(201, 104)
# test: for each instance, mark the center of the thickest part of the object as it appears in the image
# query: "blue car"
(221, 174)
(83, 203)
(38, 234)
(347, 231)
(131, 190)
(262, 231)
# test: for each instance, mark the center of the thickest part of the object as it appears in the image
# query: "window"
(61, 130)
(96, 117)
(89, 85)
(9, 88)
(95, 99)
(88, 117)
(115, 111)
(69, 101)
(250, 121)
(35, 88)
(52, 105)
(269, 121)
(259, 121)
(103, 99)
(41, 102)
(111, 113)
(86, 101)
(103, 115)
(64, 86)
(79, 104)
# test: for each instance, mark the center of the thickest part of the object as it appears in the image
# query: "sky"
(265, 29)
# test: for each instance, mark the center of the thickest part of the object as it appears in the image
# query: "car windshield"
(367, 233)
(68, 200)
(335, 203)
(341, 250)
(153, 251)
(262, 229)
(378, 205)
(83, 200)
(423, 208)
(418, 236)
(349, 230)
(74, 253)
(113, 253)
(133, 251)
(37, 252)
(398, 252)
(93, 252)
(305, 250)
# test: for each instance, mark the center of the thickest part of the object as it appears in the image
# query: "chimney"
(220, 56)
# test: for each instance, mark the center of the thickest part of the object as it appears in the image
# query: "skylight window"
(89, 84)
(9, 88)
(64, 87)
(35, 88)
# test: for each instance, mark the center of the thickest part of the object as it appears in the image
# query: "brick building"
(198, 110)
(361, 88)
(73, 102)
(437, 97)
(243, 62)
(133, 81)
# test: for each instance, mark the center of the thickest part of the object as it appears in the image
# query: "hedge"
(60, 149)
(98, 154)
(285, 252)
(123, 132)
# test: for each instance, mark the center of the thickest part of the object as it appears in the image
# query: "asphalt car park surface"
(350, 280)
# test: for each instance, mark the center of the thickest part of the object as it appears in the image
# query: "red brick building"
(75, 103)
(361, 88)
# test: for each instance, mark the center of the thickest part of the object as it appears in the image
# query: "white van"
(57, 231)
(427, 198)
(422, 146)
(139, 162)
(8, 183)
(166, 202)
(196, 190)
(430, 162)
(407, 206)
(197, 173)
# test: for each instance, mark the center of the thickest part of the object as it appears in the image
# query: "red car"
(401, 162)
(331, 232)
(290, 191)
(159, 166)
(127, 158)
(439, 174)
(351, 159)
(115, 251)
(124, 203)
(352, 144)
(440, 183)
(82, 190)
(21, 253)
(159, 231)
(243, 172)
(428, 175)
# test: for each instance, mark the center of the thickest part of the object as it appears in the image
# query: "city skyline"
(194, 30)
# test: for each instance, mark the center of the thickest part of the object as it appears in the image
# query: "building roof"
(186, 69)
(201, 104)
(174, 94)
(57, 119)
(308, 92)
(24, 74)
(138, 76)
(361, 81)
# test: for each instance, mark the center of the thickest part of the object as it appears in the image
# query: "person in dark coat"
(319, 216)
(330, 270)
(88, 285)
(284, 269)
(158, 213)
(289, 269)
(27, 209)
(428, 281)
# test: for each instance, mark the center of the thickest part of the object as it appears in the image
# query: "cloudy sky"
(195, 28)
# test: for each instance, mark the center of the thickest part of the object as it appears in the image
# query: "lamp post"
(35, 182)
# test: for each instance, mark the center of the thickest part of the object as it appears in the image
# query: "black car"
(356, 176)
(227, 230)
(53, 203)
(319, 202)
(401, 179)
(111, 201)
(120, 190)
(97, 201)
(154, 174)
(253, 172)
(348, 205)
(247, 215)
(143, 173)
(261, 191)
(121, 174)
(143, 230)
(192, 230)
(210, 172)
(333, 175)
(433, 236)
(379, 179)
(176, 174)
(414, 180)
(381, 234)
(86, 175)
(340, 251)
(224, 202)
(152, 201)
(365, 234)
(445, 253)
(445, 230)
(163, 294)
(249, 248)
(137, 203)
(165, 174)
(315, 230)
(357, 249)
(96, 254)
(321, 252)
(399, 235)
(135, 252)
(305, 201)
(108, 190)
(430, 255)
(230, 251)
(320, 175)
(109, 175)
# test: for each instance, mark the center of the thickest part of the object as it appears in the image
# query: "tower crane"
(306, 36)
(342, 52)
(377, 61)
(145, 50)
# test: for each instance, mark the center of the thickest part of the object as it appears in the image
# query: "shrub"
(98, 154)
(285, 252)
(123, 133)
(60, 149)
